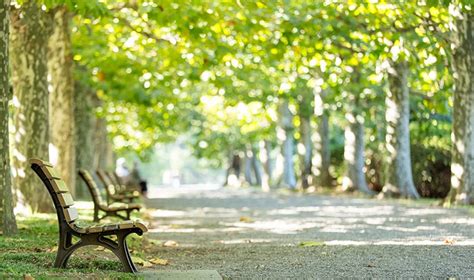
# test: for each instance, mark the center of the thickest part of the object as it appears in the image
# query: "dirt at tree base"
(246, 234)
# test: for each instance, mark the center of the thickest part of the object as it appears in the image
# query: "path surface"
(245, 234)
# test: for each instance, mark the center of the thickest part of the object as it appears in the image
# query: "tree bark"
(306, 157)
(321, 145)
(61, 98)
(256, 166)
(84, 118)
(286, 136)
(30, 29)
(266, 160)
(462, 165)
(248, 167)
(354, 154)
(7, 218)
(102, 145)
(399, 176)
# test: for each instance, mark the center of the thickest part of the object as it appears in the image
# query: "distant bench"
(116, 209)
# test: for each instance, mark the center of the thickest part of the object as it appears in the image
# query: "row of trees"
(37, 81)
(246, 80)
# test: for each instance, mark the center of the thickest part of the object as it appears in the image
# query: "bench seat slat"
(112, 227)
(122, 206)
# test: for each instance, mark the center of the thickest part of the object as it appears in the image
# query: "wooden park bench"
(112, 190)
(111, 210)
(96, 235)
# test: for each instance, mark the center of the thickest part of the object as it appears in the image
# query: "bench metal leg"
(119, 248)
(96, 214)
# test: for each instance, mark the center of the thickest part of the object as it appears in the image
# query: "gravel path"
(247, 234)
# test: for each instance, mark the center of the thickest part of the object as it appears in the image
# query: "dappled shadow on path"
(228, 216)
(245, 234)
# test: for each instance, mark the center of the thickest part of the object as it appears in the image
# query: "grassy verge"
(31, 253)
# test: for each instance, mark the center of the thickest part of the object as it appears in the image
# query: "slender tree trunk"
(100, 144)
(7, 218)
(30, 29)
(286, 135)
(256, 167)
(110, 156)
(61, 98)
(269, 164)
(306, 112)
(321, 153)
(84, 118)
(354, 154)
(399, 176)
(265, 159)
(462, 165)
(306, 157)
(248, 167)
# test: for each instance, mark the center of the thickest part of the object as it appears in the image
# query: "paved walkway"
(245, 234)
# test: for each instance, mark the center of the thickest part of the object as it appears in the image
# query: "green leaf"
(312, 244)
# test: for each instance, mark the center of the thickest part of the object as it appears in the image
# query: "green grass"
(33, 250)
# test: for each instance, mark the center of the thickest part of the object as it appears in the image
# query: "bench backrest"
(117, 178)
(108, 185)
(92, 186)
(119, 186)
(62, 199)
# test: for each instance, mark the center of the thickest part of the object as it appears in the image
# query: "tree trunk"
(100, 144)
(7, 218)
(61, 99)
(84, 118)
(269, 165)
(286, 136)
(248, 167)
(462, 165)
(354, 155)
(321, 152)
(30, 29)
(399, 176)
(306, 157)
(109, 156)
(256, 167)
(266, 159)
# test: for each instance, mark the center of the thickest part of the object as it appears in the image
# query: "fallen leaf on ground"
(154, 241)
(99, 248)
(138, 260)
(52, 249)
(246, 219)
(147, 264)
(170, 243)
(28, 277)
(370, 265)
(159, 261)
(449, 241)
(311, 243)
